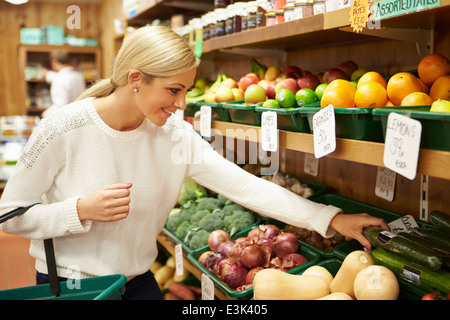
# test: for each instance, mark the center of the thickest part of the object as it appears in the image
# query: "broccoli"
(187, 210)
(173, 221)
(196, 217)
(230, 208)
(193, 195)
(211, 222)
(182, 229)
(208, 204)
(199, 239)
(238, 221)
(223, 200)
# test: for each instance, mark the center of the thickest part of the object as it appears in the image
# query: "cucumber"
(407, 248)
(403, 268)
(434, 234)
(440, 220)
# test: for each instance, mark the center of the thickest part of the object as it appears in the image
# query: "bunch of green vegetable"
(200, 214)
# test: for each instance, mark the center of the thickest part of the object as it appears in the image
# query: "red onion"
(285, 243)
(213, 259)
(216, 237)
(203, 256)
(255, 233)
(293, 260)
(231, 272)
(254, 256)
(236, 250)
(225, 247)
(275, 263)
(270, 230)
(267, 243)
(251, 274)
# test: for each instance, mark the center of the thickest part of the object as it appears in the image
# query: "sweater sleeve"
(213, 171)
(42, 158)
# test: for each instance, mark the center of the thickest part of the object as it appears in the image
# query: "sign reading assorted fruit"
(324, 131)
(402, 144)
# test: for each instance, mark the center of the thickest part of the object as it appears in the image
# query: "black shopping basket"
(99, 288)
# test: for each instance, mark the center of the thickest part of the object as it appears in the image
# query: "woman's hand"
(352, 225)
(109, 203)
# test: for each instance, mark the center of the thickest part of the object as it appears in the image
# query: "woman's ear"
(135, 78)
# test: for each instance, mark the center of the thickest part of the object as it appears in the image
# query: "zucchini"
(440, 220)
(407, 248)
(419, 275)
(435, 234)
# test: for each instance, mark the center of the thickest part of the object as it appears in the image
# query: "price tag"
(311, 165)
(359, 14)
(402, 145)
(403, 224)
(207, 288)
(324, 131)
(179, 260)
(205, 121)
(385, 183)
(269, 131)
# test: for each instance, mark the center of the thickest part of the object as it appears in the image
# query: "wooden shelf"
(433, 163)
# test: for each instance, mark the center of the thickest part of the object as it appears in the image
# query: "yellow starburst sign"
(359, 14)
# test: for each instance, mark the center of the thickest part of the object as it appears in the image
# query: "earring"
(135, 90)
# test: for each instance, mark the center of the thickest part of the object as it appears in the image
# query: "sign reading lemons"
(359, 14)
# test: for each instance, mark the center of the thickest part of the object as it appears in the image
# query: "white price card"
(207, 288)
(402, 144)
(179, 260)
(311, 165)
(269, 131)
(205, 121)
(324, 131)
(404, 224)
(385, 185)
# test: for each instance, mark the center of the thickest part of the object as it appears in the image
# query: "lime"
(305, 96)
(271, 103)
(285, 98)
(319, 90)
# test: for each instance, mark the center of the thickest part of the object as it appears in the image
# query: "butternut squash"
(353, 263)
(336, 296)
(376, 283)
(319, 271)
(272, 284)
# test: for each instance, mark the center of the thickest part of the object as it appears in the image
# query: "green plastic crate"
(243, 113)
(191, 109)
(435, 125)
(408, 291)
(100, 288)
(288, 119)
(351, 123)
(217, 110)
(311, 255)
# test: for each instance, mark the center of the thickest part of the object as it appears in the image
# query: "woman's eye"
(174, 91)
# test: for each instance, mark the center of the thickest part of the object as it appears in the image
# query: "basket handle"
(49, 250)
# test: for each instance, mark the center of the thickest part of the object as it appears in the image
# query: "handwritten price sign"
(359, 14)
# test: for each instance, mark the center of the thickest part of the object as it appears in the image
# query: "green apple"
(254, 94)
(440, 106)
(358, 73)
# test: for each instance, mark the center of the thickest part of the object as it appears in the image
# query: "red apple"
(348, 67)
(333, 74)
(319, 76)
(224, 94)
(288, 83)
(293, 69)
(308, 81)
(269, 86)
(238, 94)
(247, 80)
(229, 83)
(272, 73)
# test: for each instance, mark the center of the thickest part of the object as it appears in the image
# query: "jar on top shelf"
(304, 8)
(319, 6)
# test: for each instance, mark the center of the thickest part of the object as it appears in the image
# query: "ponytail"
(100, 88)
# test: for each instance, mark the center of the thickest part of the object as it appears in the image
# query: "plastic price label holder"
(207, 288)
(179, 260)
(311, 165)
(205, 121)
(269, 131)
(385, 184)
(402, 145)
(324, 131)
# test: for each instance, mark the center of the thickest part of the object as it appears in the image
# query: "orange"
(440, 88)
(389, 104)
(370, 94)
(341, 83)
(432, 67)
(425, 88)
(400, 85)
(416, 99)
(372, 76)
(338, 97)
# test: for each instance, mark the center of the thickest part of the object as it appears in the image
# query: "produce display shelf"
(288, 119)
(218, 112)
(243, 113)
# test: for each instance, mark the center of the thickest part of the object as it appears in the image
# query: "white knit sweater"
(73, 153)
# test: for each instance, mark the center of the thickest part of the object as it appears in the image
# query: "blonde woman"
(106, 169)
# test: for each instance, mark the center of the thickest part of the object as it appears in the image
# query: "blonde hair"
(155, 51)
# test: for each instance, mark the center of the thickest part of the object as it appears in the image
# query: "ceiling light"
(17, 1)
